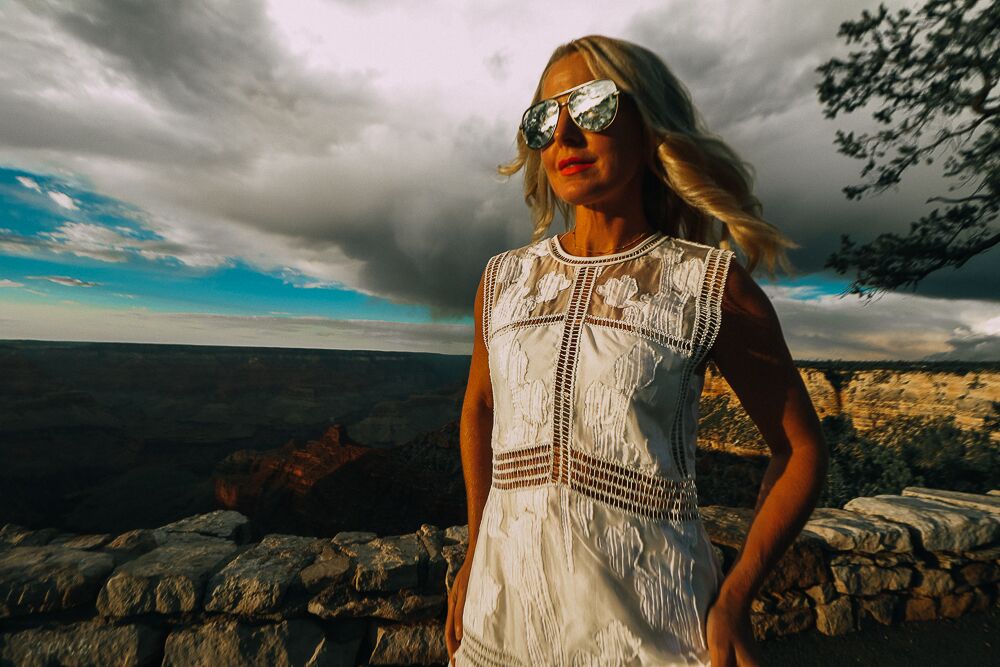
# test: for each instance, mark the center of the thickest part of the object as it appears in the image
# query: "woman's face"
(615, 156)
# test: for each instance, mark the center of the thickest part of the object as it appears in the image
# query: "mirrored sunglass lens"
(540, 122)
(593, 107)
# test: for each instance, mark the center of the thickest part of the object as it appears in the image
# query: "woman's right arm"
(475, 433)
(476, 426)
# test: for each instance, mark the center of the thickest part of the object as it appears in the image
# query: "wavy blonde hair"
(692, 177)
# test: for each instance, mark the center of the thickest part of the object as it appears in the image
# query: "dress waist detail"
(630, 490)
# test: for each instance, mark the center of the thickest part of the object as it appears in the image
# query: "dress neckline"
(559, 253)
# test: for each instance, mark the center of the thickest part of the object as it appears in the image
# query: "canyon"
(109, 437)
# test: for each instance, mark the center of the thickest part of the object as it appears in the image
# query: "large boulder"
(292, 643)
(387, 563)
(226, 524)
(87, 643)
(841, 530)
(166, 580)
(419, 643)
(801, 566)
(976, 501)
(939, 526)
(259, 580)
(403, 605)
(49, 578)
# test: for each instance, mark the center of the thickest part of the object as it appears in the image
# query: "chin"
(580, 196)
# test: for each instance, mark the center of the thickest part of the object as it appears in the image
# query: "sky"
(322, 174)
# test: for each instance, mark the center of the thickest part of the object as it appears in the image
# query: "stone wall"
(922, 555)
(196, 592)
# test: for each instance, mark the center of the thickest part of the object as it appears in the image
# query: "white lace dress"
(591, 550)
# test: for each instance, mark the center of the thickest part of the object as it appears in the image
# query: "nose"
(567, 133)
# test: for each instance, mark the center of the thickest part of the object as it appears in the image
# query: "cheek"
(614, 162)
(549, 163)
(627, 144)
(624, 160)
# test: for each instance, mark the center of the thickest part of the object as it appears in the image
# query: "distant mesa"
(334, 484)
(247, 476)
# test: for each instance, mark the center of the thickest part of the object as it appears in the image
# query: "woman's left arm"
(752, 355)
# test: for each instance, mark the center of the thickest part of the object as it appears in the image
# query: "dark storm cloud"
(970, 347)
(890, 327)
(204, 57)
(755, 85)
(211, 85)
(199, 113)
(745, 73)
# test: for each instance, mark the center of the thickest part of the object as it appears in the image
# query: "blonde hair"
(692, 176)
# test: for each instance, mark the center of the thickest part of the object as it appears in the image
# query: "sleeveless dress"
(591, 551)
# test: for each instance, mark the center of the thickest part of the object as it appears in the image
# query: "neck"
(600, 228)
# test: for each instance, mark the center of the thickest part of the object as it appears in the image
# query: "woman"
(580, 417)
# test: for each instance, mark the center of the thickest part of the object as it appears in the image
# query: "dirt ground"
(970, 641)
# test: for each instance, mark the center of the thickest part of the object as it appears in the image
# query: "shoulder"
(685, 250)
(749, 325)
(744, 296)
(534, 249)
(537, 248)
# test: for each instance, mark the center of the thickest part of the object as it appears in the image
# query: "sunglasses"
(592, 106)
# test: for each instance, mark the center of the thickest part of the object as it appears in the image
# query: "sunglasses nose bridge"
(566, 127)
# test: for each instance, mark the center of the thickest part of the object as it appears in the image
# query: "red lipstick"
(572, 165)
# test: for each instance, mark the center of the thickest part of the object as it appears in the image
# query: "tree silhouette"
(935, 71)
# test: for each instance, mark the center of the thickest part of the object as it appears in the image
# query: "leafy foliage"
(728, 479)
(935, 72)
(909, 451)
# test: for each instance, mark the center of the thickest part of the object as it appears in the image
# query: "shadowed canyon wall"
(105, 437)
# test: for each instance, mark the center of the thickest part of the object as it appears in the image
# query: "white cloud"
(891, 326)
(63, 200)
(29, 183)
(66, 281)
(86, 239)
(44, 321)
(5, 282)
(989, 327)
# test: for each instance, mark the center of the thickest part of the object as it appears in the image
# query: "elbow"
(813, 457)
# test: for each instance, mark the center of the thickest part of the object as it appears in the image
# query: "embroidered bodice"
(593, 366)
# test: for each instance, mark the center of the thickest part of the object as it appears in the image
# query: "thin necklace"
(577, 251)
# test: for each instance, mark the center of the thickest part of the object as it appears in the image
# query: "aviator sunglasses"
(592, 106)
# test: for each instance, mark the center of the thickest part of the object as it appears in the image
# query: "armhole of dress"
(492, 270)
(708, 316)
(710, 308)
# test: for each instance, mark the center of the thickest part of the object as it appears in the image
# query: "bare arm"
(476, 427)
(751, 353)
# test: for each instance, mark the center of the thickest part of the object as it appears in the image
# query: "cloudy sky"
(315, 173)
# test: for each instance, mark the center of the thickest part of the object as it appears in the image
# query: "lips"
(571, 161)
(572, 165)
